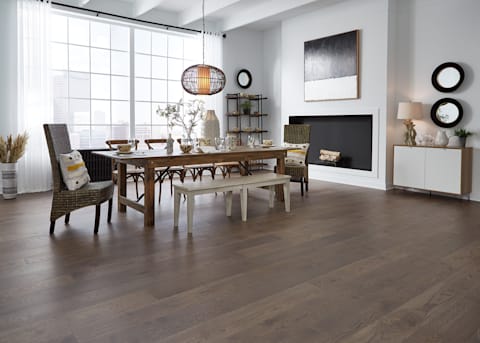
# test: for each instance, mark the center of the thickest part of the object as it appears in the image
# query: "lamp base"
(411, 134)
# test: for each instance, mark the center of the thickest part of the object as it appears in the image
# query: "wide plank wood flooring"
(347, 264)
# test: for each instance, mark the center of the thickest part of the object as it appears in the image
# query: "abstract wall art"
(331, 67)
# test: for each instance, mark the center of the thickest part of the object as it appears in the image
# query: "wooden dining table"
(151, 159)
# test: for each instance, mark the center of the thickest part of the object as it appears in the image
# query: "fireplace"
(351, 135)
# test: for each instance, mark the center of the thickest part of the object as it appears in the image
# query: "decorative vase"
(169, 146)
(441, 138)
(186, 145)
(9, 180)
(456, 142)
(210, 127)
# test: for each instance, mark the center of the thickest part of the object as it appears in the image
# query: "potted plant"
(246, 106)
(462, 135)
(11, 150)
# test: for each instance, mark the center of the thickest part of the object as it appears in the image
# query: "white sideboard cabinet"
(446, 170)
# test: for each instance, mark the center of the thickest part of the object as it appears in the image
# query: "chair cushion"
(75, 174)
(296, 154)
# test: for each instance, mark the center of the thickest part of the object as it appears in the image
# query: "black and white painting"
(331, 67)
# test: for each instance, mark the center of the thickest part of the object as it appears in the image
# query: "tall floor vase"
(9, 180)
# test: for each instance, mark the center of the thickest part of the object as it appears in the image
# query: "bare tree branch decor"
(12, 149)
(186, 115)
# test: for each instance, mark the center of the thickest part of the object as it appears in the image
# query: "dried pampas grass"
(12, 149)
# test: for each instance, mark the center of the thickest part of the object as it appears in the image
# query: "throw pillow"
(296, 154)
(75, 174)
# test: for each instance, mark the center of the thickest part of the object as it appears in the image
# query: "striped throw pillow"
(296, 154)
(75, 174)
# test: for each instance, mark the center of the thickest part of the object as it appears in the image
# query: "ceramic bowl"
(186, 148)
(124, 147)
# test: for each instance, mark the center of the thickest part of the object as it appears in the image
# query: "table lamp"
(408, 111)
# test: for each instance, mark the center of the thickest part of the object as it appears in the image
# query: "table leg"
(149, 200)
(243, 202)
(228, 203)
(190, 207)
(286, 192)
(271, 196)
(176, 208)
(122, 185)
(280, 170)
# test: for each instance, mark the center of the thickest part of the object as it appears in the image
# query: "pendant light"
(203, 79)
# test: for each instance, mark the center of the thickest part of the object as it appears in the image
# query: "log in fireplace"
(349, 134)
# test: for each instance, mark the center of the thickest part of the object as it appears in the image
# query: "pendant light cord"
(203, 31)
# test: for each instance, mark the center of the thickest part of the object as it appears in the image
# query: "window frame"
(152, 125)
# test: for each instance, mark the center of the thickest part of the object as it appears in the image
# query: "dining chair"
(65, 201)
(197, 170)
(297, 135)
(133, 172)
(163, 172)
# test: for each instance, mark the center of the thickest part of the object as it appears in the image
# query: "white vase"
(441, 138)
(9, 180)
(454, 142)
(210, 127)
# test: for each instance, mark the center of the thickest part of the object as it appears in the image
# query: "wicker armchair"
(297, 134)
(163, 172)
(65, 201)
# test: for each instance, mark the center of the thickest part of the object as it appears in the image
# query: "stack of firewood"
(330, 156)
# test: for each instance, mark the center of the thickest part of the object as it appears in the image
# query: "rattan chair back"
(65, 201)
(298, 134)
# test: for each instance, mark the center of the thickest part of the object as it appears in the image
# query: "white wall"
(8, 66)
(272, 76)
(431, 32)
(242, 49)
(371, 18)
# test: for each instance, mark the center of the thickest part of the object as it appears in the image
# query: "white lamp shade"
(409, 110)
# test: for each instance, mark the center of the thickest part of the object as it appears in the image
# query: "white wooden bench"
(229, 185)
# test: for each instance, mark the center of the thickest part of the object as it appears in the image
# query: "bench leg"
(176, 208)
(243, 202)
(286, 195)
(190, 206)
(228, 203)
(271, 191)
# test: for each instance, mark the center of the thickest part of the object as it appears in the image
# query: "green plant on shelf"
(246, 106)
(462, 133)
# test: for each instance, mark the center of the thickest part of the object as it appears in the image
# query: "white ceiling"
(220, 15)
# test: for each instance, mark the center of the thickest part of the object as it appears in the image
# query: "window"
(94, 91)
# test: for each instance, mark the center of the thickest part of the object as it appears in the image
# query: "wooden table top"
(159, 157)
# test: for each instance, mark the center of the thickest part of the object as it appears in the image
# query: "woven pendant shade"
(202, 79)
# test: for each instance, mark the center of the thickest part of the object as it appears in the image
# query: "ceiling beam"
(143, 6)
(83, 2)
(260, 11)
(194, 13)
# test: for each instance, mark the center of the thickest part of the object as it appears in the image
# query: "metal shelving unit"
(242, 124)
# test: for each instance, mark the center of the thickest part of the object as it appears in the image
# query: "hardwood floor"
(346, 265)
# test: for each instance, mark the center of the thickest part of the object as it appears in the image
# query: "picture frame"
(331, 67)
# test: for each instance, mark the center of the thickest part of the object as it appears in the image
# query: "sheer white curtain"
(214, 57)
(34, 93)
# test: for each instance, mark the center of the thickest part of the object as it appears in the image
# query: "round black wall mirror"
(244, 78)
(447, 112)
(447, 77)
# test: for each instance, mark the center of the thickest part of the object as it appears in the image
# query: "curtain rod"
(124, 17)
